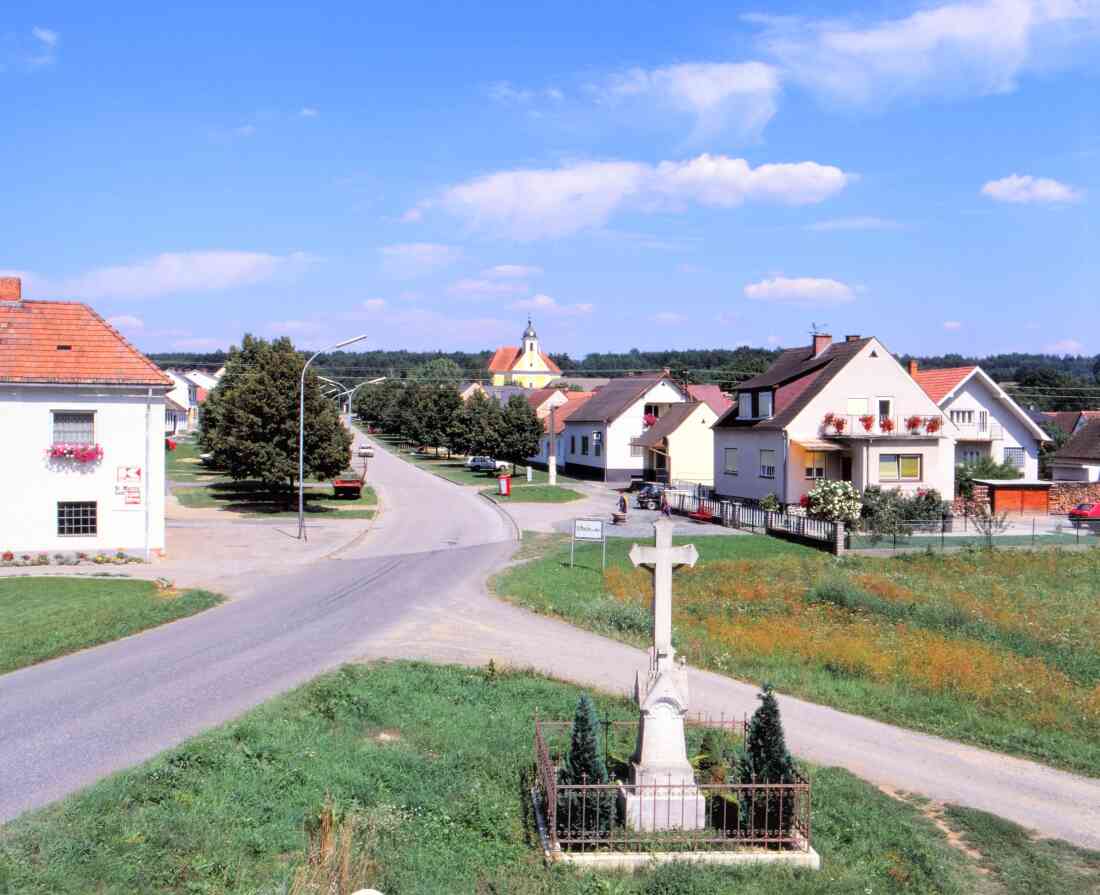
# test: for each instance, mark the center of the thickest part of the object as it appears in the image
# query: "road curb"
(517, 532)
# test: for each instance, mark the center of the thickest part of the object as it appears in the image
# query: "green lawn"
(253, 498)
(41, 618)
(523, 493)
(183, 464)
(999, 649)
(433, 763)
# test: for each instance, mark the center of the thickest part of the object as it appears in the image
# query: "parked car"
(1085, 514)
(485, 464)
(348, 484)
(649, 496)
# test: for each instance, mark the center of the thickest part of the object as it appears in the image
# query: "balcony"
(867, 426)
(978, 432)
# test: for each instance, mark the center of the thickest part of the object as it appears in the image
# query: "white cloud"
(487, 288)
(374, 304)
(413, 259)
(546, 304)
(504, 92)
(512, 271)
(1025, 188)
(963, 48)
(413, 215)
(309, 112)
(126, 321)
(292, 327)
(800, 291)
(854, 223)
(1065, 346)
(668, 318)
(45, 35)
(539, 203)
(181, 272)
(721, 97)
(952, 324)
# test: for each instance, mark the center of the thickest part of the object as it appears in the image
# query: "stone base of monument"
(653, 811)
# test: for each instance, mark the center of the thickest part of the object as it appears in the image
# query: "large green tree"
(438, 371)
(253, 430)
(520, 431)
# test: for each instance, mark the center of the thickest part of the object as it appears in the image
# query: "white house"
(989, 422)
(82, 410)
(203, 380)
(679, 446)
(185, 394)
(1078, 460)
(846, 411)
(559, 416)
(599, 437)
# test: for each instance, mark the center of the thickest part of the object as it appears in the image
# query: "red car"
(1085, 514)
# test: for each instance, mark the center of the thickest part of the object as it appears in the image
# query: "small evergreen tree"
(766, 760)
(590, 813)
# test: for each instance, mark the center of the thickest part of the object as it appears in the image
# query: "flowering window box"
(78, 453)
(913, 424)
(932, 425)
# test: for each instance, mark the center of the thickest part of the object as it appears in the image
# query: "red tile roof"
(712, 396)
(504, 361)
(539, 395)
(68, 342)
(938, 384)
(576, 400)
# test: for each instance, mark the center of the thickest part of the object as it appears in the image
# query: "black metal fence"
(667, 816)
(750, 517)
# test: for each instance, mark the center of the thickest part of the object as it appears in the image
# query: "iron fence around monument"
(589, 817)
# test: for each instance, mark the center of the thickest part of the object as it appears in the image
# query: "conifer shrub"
(766, 760)
(595, 811)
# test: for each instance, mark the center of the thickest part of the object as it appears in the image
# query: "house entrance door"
(846, 468)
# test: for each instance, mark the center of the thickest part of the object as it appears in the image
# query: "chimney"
(854, 338)
(11, 289)
(913, 366)
(821, 342)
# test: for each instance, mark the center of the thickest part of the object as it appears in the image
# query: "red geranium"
(839, 424)
(886, 424)
(867, 421)
(170, 444)
(933, 424)
(81, 453)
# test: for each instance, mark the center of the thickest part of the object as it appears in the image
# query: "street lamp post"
(302, 434)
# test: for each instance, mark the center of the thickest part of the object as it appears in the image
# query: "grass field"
(523, 493)
(998, 649)
(432, 763)
(42, 618)
(253, 498)
(183, 464)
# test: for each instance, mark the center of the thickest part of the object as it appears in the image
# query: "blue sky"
(429, 174)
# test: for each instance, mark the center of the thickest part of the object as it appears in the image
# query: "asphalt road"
(68, 722)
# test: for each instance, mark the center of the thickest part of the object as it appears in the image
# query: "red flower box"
(649, 419)
(886, 424)
(913, 423)
(828, 419)
(80, 453)
(867, 421)
(932, 425)
(839, 424)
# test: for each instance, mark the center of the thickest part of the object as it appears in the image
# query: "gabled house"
(600, 436)
(185, 394)
(715, 398)
(542, 399)
(1069, 421)
(175, 417)
(82, 461)
(526, 366)
(1078, 460)
(989, 423)
(832, 410)
(560, 415)
(679, 446)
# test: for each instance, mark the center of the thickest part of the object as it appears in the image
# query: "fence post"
(943, 532)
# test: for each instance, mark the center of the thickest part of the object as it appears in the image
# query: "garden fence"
(749, 517)
(589, 817)
(960, 532)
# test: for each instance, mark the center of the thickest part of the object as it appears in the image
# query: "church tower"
(530, 339)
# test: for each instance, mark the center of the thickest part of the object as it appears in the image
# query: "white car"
(485, 464)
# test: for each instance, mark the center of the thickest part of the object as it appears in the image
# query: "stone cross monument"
(663, 795)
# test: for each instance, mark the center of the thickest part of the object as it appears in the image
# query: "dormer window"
(764, 402)
(744, 405)
(754, 405)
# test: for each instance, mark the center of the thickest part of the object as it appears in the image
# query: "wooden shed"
(1020, 496)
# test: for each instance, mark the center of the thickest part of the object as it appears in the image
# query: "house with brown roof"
(832, 410)
(599, 437)
(542, 399)
(679, 445)
(989, 423)
(555, 419)
(82, 465)
(1078, 460)
(526, 366)
(715, 398)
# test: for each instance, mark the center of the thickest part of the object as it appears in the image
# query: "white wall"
(32, 484)
(575, 431)
(630, 425)
(691, 448)
(975, 395)
(748, 482)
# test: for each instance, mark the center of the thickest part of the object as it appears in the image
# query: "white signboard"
(128, 474)
(128, 496)
(588, 529)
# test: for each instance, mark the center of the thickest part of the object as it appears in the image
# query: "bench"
(618, 518)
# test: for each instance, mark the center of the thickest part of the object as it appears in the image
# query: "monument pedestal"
(663, 799)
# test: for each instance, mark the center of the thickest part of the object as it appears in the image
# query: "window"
(596, 448)
(815, 464)
(744, 405)
(765, 401)
(1015, 456)
(731, 461)
(962, 417)
(983, 420)
(767, 464)
(652, 410)
(73, 428)
(899, 467)
(584, 445)
(572, 444)
(859, 406)
(636, 450)
(76, 518)
(885, 408)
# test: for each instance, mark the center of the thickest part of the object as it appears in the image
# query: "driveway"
(413, 587)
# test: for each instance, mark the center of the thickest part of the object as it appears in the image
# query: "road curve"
(68, 722)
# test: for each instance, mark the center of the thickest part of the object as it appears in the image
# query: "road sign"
(588, 530)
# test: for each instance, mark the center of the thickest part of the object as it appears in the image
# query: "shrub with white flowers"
(835, 501)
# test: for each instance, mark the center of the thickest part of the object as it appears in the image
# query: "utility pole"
(552, 461)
